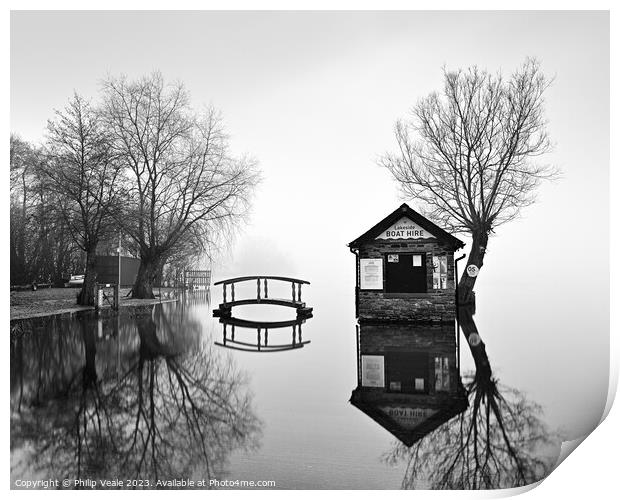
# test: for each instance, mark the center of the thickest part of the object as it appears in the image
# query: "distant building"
(107, 269)
(405, 270)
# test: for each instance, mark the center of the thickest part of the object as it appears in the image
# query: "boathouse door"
(405, 273)
(407, 372)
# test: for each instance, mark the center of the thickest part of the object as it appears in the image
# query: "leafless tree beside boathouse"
(469, 154)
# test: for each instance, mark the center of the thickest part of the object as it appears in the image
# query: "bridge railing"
(295, 286)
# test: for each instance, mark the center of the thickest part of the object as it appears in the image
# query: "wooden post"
(266, 296)
(119, 259)
(232, 291)
(258, 289)
(293, 285)
(258, 338)
(224, 293)
(299, 292)
(117, 289)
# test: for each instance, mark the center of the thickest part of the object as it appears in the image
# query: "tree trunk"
(86, 297)
(89, 373)
(151, 346)
(479, 352)
(159, 276)
(476, 257)
(143, 286)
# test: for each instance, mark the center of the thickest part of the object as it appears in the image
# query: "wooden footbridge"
(263, 328)
(262, 295)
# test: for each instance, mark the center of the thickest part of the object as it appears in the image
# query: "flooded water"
(147, 394)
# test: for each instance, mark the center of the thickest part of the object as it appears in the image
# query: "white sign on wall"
(372, 371)
(405, 229)
(371, 274)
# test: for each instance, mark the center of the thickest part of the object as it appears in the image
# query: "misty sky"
(314, 96)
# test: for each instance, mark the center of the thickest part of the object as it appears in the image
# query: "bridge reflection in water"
(237, 332)
(408, 378)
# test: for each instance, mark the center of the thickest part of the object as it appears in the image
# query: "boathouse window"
(442, 374)
(405, 273)
(407, 372)
(440, 272)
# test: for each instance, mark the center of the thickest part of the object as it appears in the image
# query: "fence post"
(117, 296)
(96, 298)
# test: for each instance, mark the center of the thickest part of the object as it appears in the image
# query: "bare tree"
(469, 155)
(82, 169)
(40, 247)
(184, 182)
(22, 165)
(153, 401)
(499, 441)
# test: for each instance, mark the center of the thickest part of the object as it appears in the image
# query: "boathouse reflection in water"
(499, 441)
(408, 378)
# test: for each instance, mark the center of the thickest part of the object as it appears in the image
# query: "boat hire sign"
(405, 229)
(408, 417)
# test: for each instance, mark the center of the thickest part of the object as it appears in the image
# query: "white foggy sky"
(314, 97)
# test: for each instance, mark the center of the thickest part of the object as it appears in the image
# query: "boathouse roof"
(406, 211)
(449, 408)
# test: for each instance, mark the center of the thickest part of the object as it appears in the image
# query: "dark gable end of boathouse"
(405, 270)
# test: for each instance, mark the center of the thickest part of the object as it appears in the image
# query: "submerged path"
(53, 301)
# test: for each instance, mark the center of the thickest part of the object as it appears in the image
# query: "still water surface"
(146, 390)
(147, 393)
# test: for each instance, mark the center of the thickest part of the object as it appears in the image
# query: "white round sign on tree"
(474, 339)
(472, 270)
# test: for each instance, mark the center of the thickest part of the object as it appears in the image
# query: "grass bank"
(48, 301)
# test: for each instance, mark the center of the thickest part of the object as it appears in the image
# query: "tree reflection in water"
(151, 400)
(499, 441)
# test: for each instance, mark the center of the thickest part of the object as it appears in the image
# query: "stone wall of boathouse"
(435, 340)
(434, 306)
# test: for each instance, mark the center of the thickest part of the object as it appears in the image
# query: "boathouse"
(405, 270)
(408, 377)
